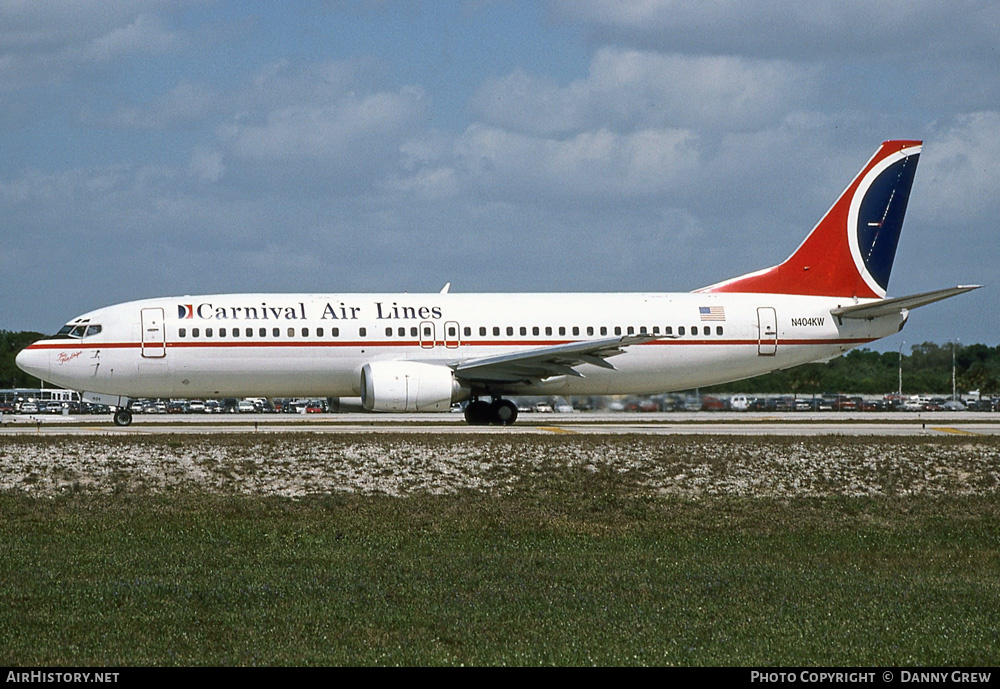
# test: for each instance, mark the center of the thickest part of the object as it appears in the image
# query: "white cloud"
(598, 164)
(959, 171)
(631, 90)
(47, 42)
(822, 28)
(328, 131)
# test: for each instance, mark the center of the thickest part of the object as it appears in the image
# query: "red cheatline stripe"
(242, 344)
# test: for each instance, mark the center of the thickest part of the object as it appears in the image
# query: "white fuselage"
(296, 345)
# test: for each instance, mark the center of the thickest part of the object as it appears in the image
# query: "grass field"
(546, 550)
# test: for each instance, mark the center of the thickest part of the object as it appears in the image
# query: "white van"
(739, 403)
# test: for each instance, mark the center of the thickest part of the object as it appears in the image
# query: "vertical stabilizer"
(850, 252)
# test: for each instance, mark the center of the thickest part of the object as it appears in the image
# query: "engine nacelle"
(409, 386)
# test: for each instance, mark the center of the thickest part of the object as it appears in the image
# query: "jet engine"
(402, 386)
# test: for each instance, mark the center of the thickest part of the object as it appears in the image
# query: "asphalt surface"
(599, 423)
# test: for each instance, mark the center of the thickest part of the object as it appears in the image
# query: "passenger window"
(388, 332)
(630, 330)
(262, 332)
(680, 330)
(535, 331)
(618, 330)
(524, 330)
(548, 330)
(401, 332)
(590, 330)
(451, 331)
(510, 330)
(249, 332)
(276, 332)
(335, 332)
(291, 332)
(669, 330)
(482, 331)
(195, 332)
(468, 331)
(319, 332)
(576, 330)
(413, 331)
(718, 330)
(222, 332)
(604, 330)
(496, 330)
(362, 332)
(182, 332)
(208, 332)
(562, 329)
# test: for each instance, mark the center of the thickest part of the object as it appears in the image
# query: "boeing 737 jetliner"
(425, 352)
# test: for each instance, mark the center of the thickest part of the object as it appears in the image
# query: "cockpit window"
(77, 331)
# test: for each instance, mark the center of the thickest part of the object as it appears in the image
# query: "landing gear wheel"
(123, 417)
(504, 412)
(478, 413)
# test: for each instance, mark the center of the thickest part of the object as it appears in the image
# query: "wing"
(545, 362)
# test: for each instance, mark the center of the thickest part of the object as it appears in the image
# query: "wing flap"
(545, 362)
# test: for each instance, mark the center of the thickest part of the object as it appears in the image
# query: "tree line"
(926, 369)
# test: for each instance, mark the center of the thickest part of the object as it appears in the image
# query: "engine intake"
(409, 386)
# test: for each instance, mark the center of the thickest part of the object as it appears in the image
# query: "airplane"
(427, 352)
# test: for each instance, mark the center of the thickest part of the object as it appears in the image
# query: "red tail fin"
(850, 252)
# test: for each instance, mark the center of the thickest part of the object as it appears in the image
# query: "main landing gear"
(123, 417)
(499, 412)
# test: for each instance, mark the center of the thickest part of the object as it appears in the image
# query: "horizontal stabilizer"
(887, 307)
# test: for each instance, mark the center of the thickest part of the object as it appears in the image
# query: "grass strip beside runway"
(581, 564)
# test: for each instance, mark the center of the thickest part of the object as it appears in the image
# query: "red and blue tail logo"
(850, 252)
(185, 311)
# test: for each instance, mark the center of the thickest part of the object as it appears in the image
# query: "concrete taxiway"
(674, 423)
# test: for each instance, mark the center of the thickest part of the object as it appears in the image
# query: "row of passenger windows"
(260, 332)
(591, 330)
(452, 331)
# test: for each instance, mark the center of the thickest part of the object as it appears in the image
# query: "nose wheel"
(123, 417)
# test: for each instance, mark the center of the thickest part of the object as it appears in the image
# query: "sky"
(167, 147)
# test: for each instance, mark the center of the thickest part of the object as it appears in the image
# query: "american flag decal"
(712, 313)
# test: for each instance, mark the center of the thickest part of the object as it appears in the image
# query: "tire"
(504, 412)
(478, 413)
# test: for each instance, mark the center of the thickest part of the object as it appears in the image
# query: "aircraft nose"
(34, 362)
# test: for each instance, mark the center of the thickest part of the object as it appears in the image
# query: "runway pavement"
(598, 423)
